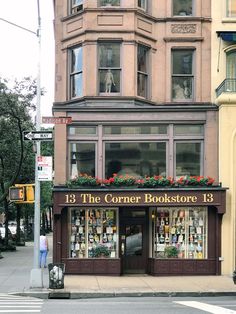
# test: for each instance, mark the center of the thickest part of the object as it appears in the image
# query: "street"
(127, 305)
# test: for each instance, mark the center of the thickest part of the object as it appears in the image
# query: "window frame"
(75, 8)
(192, 76)
(73, 74)
(187, 15)
(229, 10)
(108, 5)
(146, 74)
(141, 6)
(102, 68)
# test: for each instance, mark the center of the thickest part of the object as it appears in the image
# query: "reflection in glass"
(109, 3)
(133, 240)
(82, 159)
(134, 130)
(135, 159)
(231, 8)
(182, 7)
(76, 81)
(188, 159)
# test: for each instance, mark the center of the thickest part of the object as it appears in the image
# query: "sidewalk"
(15, 270)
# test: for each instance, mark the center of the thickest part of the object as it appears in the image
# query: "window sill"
(229, 20)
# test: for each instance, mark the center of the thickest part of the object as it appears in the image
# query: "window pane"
(109, 81)
(109, 55)
(134, 130)
(109, 2)
(231, 9)
(182, 62)
(182, 88)
(76, 5)
(180, 233)
(76, 85)
(142, 59)
(182, 7)
(142, 85)
(188, 129)
(82, 159)
(76, 62)
(82, 130)
(188, 159)
(136, 159)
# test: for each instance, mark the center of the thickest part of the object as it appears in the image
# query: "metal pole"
(36, 278)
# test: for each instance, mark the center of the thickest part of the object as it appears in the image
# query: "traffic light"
(22, 193)
(29, 193)
(17, 194)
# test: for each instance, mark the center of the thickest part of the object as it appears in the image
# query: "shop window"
(93, 233)
(76, 71)
(188, 158)
(182, 75)
(76, 6)
(109, 68)
(135, 159)
(109, 3)
(82, 159)
(142, 4)
(182, 7)
(231, 8)
(142, 76)
(180, 233)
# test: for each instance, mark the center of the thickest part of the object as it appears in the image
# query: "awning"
(227, 36)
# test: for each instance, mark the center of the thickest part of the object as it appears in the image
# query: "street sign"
(57, 120)
(37, 136)
(44, 168)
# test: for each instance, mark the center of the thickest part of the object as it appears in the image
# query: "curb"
(95, 295)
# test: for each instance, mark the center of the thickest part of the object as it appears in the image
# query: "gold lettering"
(208, 198)
(70, 198)
(89, 199)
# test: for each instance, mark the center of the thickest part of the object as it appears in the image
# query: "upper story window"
(109, 67)
(109, 3)
(76, 6)
(182, 7)
(142, 77)
(182, 75)
(76, 68)
(231, 8)
(142, 4)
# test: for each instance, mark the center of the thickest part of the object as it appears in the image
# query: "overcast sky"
(19, 48)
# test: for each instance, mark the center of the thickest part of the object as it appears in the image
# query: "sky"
(19, 48)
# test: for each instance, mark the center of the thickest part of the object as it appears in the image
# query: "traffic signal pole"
(36, 278)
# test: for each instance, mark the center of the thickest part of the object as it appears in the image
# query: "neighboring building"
(135, 78)
(224, 93)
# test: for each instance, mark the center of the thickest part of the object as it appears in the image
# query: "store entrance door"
(134, 240)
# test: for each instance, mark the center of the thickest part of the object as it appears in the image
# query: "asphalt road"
(142, 305)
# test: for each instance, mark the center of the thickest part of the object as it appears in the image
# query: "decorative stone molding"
(183, 28)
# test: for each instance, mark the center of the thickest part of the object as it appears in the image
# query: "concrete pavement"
(15, 270)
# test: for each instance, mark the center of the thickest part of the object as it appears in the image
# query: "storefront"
(164, 231)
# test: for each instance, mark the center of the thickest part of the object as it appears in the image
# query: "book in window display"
(184, 229)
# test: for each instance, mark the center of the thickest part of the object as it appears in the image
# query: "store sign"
(45, 168)
(129, 198)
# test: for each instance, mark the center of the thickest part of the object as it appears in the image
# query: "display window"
(180, 232)
(93, 233)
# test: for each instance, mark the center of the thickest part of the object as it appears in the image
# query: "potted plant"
(83, 179)
(171, 251)
(101, 251)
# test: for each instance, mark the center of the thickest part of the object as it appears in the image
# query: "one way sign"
(37, 136)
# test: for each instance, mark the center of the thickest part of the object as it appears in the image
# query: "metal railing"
(227, 86)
